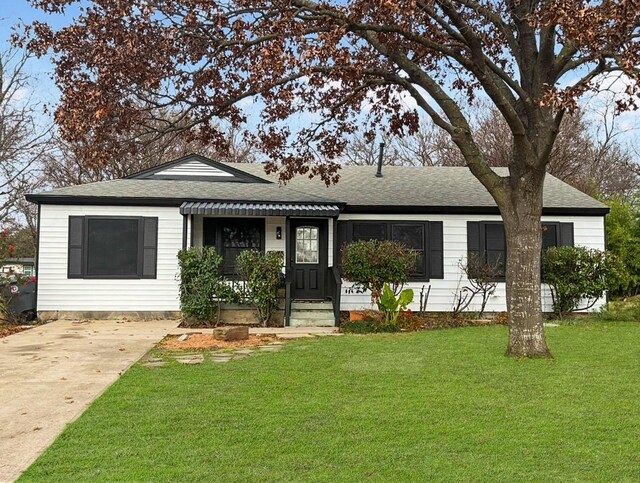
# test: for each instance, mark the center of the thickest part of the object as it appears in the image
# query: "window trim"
(139, 254)
(218, 222)
(388, 227)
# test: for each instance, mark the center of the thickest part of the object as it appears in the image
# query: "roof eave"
(50, 199)
(468, 210)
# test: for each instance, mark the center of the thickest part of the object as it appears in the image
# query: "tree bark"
(522, 223)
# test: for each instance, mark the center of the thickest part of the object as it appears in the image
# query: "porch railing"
(287, 298)
(335, 289)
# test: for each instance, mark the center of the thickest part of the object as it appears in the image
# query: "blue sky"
(14, 12)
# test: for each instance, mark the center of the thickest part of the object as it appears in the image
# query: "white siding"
(195, 169)
(57, 292)
(271, 243)
(588, 231)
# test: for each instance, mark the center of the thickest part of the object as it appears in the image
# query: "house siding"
(588, 231)
(56, 292)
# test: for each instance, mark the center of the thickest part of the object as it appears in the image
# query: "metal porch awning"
(257, 209)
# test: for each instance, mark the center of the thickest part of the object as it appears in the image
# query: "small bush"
(370, 264)
(580, 275)
(360, 327)
(202, 288)
(620, 311)
(262, 273)
(377, 322)
(407, 321)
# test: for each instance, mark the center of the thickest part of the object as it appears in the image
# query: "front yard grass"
(431, 406)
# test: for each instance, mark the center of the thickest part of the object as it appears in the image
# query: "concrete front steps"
(312, 314)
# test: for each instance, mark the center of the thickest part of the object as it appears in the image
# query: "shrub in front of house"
(373, 322)
(579, 276)
(262, 274)
(202, 288)
(372, 263)
(391, 319)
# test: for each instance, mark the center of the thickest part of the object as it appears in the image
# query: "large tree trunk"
(524, 245)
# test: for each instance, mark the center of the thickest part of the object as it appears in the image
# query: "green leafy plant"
(376, 321)
(391, 305)
(579, 275)
(372, 263)
(202, 288)
(262, 274)
(623, 239)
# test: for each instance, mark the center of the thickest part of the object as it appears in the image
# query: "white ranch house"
(109, 248)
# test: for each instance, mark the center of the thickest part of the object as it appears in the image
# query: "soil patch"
(8, 329)
(207, 342)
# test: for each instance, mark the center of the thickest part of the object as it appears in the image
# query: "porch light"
(278, 233)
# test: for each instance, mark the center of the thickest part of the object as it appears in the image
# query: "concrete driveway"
(50, 374)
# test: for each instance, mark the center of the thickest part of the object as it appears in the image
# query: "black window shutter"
(566, 235)
(436, 253)
(340, 239)
(75, 260)
(149, 247)
(473, 239)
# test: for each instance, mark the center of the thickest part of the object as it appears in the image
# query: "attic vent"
(193, 169)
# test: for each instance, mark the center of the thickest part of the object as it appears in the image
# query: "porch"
(303, 233)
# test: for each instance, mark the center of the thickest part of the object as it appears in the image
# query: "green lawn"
(441, 405)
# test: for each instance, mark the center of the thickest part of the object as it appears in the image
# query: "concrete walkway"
(50, 374)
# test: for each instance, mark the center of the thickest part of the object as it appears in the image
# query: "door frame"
(323, 224)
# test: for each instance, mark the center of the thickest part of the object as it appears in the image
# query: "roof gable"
(194, 167)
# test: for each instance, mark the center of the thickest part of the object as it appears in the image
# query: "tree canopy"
(346, 66)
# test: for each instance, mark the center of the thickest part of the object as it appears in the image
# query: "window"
(550, 235)
(412, 236)
(112, 247)
(307, 249)
(495, 247)
(424, 237)
(230, 237)
(486, 239)
(369, 231)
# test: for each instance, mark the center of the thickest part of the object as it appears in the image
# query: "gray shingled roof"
(425, 186)
(400, 186)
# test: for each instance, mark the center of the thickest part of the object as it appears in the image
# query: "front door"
(308, 259)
